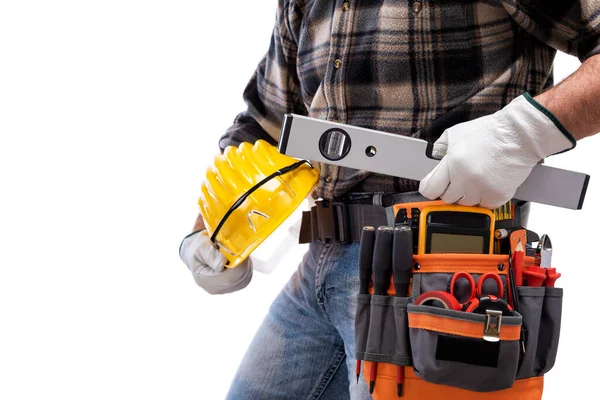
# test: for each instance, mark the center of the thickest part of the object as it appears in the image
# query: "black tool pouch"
(381, 329)
(451, 353)
(448, 346)
(542, 310)
(449, 349)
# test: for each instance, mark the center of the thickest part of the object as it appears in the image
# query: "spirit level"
(410, 158)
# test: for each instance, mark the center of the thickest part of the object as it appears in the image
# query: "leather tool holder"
(443, 351)
(326, 222)
(336, 222)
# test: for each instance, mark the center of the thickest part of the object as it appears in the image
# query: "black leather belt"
(342, 220)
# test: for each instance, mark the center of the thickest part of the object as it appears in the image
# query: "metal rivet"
(417, 7)
(501, 267)
(416, 267)
(338, 63)
(346, 6)
(328, 179)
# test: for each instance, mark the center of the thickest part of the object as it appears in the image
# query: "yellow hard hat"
(248, 192)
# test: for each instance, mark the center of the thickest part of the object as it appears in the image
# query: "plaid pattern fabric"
(408, 67)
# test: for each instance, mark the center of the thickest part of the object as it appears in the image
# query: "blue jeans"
(304, 348)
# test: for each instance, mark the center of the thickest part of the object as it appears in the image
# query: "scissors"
(476, 290)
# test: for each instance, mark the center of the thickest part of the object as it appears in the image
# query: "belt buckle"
(332, 222)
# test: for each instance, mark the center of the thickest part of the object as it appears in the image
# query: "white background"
(109, 113)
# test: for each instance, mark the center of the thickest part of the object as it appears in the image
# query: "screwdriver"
(365, 268)
(402, 252)
(382, 272)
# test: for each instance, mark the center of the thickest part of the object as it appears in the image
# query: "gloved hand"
(207, 265)
(487, 159)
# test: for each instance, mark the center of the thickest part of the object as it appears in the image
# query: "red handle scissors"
(476, 290)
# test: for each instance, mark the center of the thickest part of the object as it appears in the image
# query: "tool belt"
(445, 351)
(341, 220)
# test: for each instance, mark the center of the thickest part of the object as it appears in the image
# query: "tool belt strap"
(342, 220)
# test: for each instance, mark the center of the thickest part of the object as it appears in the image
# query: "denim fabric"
(304, 348)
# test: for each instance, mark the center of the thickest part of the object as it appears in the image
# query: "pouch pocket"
(547, 345)
(434, 271)
(361, 325)
(541, 308)
(381, 329)
(448, 349)
(531, 301)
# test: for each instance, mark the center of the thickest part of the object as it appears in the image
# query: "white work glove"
(207, 265)
(487, 159)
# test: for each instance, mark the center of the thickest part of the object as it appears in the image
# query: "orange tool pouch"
(443, 351)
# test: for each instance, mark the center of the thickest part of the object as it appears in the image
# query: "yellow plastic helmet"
(248, 192)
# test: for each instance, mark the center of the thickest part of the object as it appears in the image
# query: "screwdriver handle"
(402, 253)
(382, 259)
(365, 258)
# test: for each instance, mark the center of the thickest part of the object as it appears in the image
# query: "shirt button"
(328, 179)
(417, 6)
(337, 63)
(346, 6)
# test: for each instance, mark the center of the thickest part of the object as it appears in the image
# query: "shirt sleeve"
(274, 88)
(571, 26)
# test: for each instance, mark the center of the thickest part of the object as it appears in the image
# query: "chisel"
(382, 272)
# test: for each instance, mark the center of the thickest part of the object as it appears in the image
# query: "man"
(475, 77)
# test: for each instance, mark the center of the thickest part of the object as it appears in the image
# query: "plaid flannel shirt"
(409, 67)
